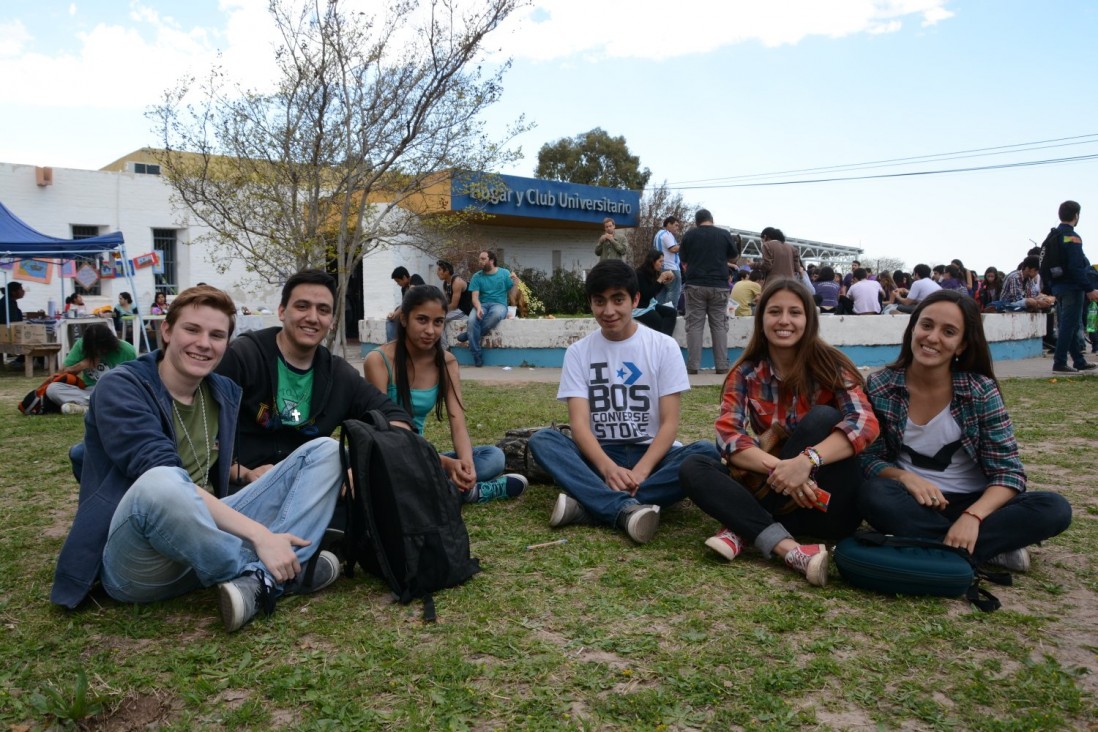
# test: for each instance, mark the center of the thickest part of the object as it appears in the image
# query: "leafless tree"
(369, 111)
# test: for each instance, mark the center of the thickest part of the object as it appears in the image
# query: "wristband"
(814, 457)
(969, 513)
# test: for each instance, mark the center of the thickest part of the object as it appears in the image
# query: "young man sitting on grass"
(154, 518)
(623, 386)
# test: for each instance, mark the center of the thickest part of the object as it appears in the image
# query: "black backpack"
(1050, 266)
(403, 515)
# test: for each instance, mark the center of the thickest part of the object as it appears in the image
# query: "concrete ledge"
(869, 340)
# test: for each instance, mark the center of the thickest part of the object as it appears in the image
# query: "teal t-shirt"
(120, 355)
(423, 400)
(492, 287)
(295, 393)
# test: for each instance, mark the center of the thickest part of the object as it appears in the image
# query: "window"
(80, 231)
(146, 169)
(164, 241)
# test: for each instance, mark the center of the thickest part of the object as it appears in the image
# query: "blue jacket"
(127, 431)
(1077, 271)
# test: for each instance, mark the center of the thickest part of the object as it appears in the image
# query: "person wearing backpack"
(1072, 286)
(420, 375)
(946, 466)
(155, 519)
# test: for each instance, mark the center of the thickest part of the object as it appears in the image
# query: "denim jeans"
(488, 461)
(1026, 519)
(562, 459)
(669, 295)
(708, 484)
(1070, 306)
(390, 330)
(706, 303)
(164, 543)
(494, 312)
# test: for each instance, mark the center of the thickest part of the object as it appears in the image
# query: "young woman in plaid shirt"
(787, 382)
(947, 465)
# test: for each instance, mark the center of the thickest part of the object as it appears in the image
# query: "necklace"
(205, 430)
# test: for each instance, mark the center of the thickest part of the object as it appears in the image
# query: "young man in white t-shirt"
(865, 293)
(922, 286)
(623, 386)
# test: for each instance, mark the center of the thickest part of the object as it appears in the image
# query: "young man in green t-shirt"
(95, 353)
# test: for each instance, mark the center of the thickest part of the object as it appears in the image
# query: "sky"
(711, 95)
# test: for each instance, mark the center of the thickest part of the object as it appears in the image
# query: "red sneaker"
(726, 543)
(811, 561)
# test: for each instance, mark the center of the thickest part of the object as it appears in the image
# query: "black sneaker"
(320, 571)
(240, 599)
(1065, 369)
(1087, 366)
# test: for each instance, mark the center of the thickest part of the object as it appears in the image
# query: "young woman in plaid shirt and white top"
(947, 465)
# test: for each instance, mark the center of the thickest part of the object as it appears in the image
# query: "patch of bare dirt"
(135, 712)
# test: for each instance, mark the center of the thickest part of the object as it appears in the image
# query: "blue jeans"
(562, 459)
(164, 543)
(488, 461)
(494, 312)
(1070, 305)
(669, 295)
(390, 330)
(1026, 519)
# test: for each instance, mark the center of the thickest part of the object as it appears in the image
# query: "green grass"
(593, 634)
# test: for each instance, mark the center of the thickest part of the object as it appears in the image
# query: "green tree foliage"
(366, 110)
(592, 158)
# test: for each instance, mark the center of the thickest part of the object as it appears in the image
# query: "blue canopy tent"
(18, 240)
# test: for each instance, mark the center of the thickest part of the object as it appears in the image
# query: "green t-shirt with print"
(295, 393)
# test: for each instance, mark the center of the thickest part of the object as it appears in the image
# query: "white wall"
(127, 202)
(136, 204)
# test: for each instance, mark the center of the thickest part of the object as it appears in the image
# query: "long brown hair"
(816, 364)
(976, 356)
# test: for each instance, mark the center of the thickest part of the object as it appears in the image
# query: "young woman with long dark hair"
(419, 375)
(947, 464)
(787, 382)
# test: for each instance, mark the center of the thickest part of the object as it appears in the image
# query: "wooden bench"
(46, 351)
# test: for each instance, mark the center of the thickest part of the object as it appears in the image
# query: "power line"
(933, 157)
(1026, 164)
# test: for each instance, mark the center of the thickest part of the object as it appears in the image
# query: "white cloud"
(130, 65)
(558, 29)
(72, 8)
(13, 35)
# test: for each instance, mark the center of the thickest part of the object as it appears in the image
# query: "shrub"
(562, 292)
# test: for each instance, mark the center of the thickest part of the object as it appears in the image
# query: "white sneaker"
(73, 408)
(640, 522)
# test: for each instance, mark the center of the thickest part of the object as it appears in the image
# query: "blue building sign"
(508, 195)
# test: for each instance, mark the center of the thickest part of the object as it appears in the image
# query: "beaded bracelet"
(814, 456)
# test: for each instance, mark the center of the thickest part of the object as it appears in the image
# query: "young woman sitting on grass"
(947, 465)
(787, 382)
(418, 374)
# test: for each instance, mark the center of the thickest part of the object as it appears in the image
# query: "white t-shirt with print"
(623, 381)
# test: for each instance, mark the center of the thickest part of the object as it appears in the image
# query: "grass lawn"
(595, 633)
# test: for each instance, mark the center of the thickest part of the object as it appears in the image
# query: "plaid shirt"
(752, 392)
(1016, 287)
(986, 431)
